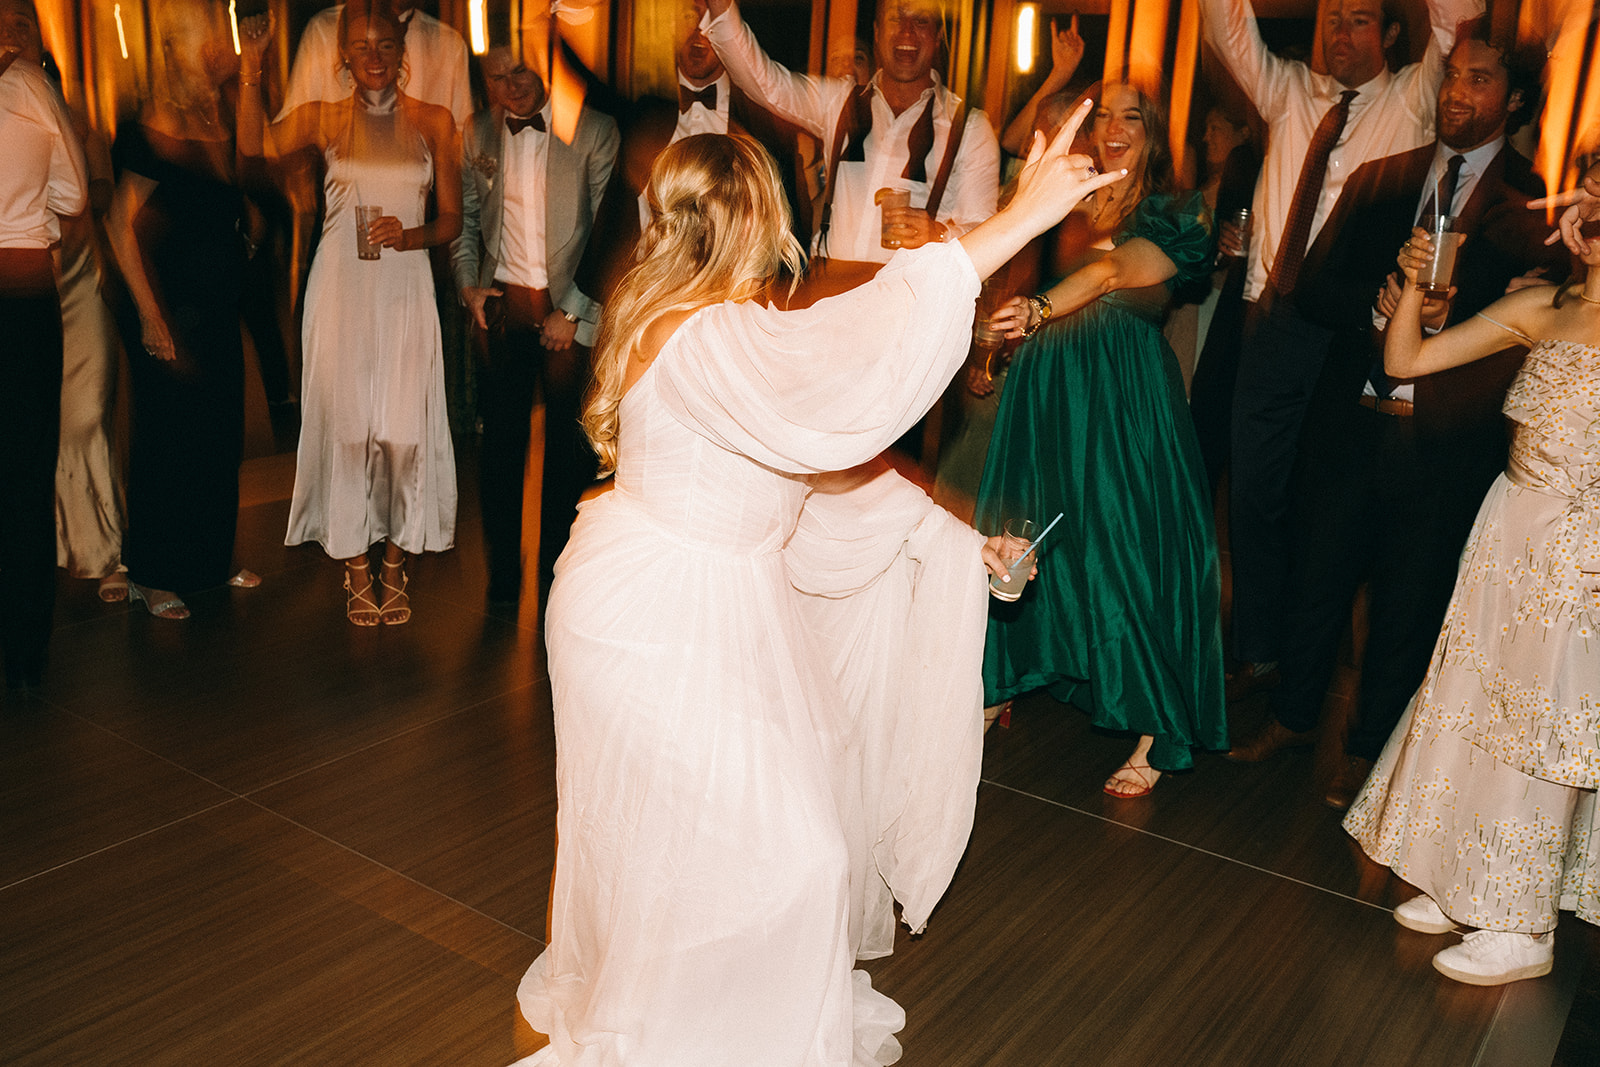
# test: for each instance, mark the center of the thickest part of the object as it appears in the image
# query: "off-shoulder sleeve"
(830, 386)
(1181, 227)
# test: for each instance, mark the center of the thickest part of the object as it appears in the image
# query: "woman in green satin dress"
(1123, 619)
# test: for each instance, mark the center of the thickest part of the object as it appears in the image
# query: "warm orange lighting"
(1027, 36)
(476, 27)
(1117, 42)
(1147, 46)
(122, 37)
(233, 26)
(1572, 106)
(566, 93)
(1183, 69)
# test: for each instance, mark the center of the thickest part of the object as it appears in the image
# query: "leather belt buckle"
(1389, 406)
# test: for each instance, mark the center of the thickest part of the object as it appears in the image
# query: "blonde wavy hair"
(719, 230)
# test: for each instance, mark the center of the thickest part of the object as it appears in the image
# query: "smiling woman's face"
(1118, 134)
(372, 49)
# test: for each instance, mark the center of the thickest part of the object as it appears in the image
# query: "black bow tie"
(688, 96)
(516, 125)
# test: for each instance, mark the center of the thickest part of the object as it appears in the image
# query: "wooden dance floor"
(264, 836)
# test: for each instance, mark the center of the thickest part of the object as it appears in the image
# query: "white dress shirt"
(699, 118)
(524, 159)
(44, 176)
(855, 230)
(435, 68)
(1392, 114)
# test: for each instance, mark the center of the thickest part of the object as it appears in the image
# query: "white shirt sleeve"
(809, 102)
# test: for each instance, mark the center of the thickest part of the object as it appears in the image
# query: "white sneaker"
(1493, 957)
(1422, 914)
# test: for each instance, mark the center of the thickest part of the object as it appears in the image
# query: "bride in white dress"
(375, 461)
(765, 675)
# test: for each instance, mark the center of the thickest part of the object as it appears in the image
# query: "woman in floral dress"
(1484, 798)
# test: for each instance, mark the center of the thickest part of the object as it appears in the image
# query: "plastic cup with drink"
(366, 215)
(1446, 233)
(887, 200)
(1019, 551)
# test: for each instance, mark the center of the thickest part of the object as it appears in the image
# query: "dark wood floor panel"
(1067, 939)
(68, 788)
(1269, 814)
(464, 805)
(275, 680)
(237, 938)
(266, 837)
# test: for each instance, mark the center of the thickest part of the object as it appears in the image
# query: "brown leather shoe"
(1272, 738)
(1347, 782)
(1247, 679)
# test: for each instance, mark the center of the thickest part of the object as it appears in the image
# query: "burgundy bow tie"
(516, 125)
(688, 96)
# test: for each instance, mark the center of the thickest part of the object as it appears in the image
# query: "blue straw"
(1047, 529)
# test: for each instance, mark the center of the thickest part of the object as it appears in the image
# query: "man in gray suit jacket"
(528, 202)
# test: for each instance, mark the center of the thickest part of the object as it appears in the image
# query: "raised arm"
(296, 129)
(1230, 27)
(1066, 52)
(811, 103)
(1511, 320)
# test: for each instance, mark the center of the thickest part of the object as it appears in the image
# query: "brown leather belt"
(1389, 406)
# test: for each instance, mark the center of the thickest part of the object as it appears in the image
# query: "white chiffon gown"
(375, 460)
(767, 690)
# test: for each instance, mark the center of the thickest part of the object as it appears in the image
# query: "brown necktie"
(1297, 227)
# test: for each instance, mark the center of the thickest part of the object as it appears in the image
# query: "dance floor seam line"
(130, 839)
(387, 738)
(430, 890)
(1183, 844)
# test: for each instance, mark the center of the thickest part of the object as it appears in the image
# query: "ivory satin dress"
(375, 460)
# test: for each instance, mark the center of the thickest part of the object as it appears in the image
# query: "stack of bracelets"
(1040, 306)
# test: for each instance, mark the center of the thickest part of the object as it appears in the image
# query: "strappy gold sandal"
(359, 606)
(396, 602)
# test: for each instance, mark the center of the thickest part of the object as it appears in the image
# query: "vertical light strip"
(1117, 42)
(476, 27)
(122, 37)
(233, 25)
(1027, 36)
(1183, 69)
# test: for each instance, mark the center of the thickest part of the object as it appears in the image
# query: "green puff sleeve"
(1180, 226)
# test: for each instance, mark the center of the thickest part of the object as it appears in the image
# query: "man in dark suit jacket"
(1390, 474)
(528, 203)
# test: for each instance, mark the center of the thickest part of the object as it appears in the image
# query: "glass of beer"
(888, 199)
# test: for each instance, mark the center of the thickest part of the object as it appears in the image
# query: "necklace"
(1587, 299)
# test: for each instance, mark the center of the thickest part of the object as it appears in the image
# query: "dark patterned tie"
(688, 97)
(516, 125)
(1445, 193)
(1297, 227)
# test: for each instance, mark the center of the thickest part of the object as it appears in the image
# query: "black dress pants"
(1280, 364)
(30, 435)
(517, 367)
(1374, 503)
